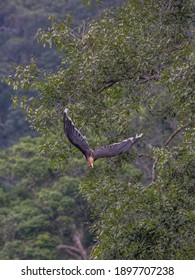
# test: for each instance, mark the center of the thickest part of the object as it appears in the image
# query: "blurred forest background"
(121, 67)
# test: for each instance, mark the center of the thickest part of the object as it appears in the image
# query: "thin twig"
(145, 155)
(107, 85)
(173, 135)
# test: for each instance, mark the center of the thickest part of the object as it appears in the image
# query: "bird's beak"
(90, 162)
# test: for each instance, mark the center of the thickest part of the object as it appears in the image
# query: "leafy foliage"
(19, 21)
(137, 222)
(40, 209)
(130, 71)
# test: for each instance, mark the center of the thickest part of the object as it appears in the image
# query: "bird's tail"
(138, 136)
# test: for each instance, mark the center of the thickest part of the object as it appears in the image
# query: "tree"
(42, 213)
(130, 71)
(19, 21)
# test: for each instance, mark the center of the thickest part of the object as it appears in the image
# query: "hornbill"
(75, 137)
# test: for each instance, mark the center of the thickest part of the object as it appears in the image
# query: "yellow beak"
(90, 162)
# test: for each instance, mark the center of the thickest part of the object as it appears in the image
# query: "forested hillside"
(120, 71)
(19, 22)
(30, 230)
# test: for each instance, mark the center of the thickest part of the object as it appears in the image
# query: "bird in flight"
(79, 141)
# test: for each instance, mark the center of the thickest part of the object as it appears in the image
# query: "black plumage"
(75, 137)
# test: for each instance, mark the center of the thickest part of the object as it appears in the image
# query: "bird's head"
(90, 162)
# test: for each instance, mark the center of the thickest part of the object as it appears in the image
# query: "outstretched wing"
(116, 148)
(73, 135)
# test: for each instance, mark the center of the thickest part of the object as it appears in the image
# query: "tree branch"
(77, 251)
(173, 135)
(163, 146)
(107, 85)
(70, 250)
(145, 155)
(79, 245)
(145, 79)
